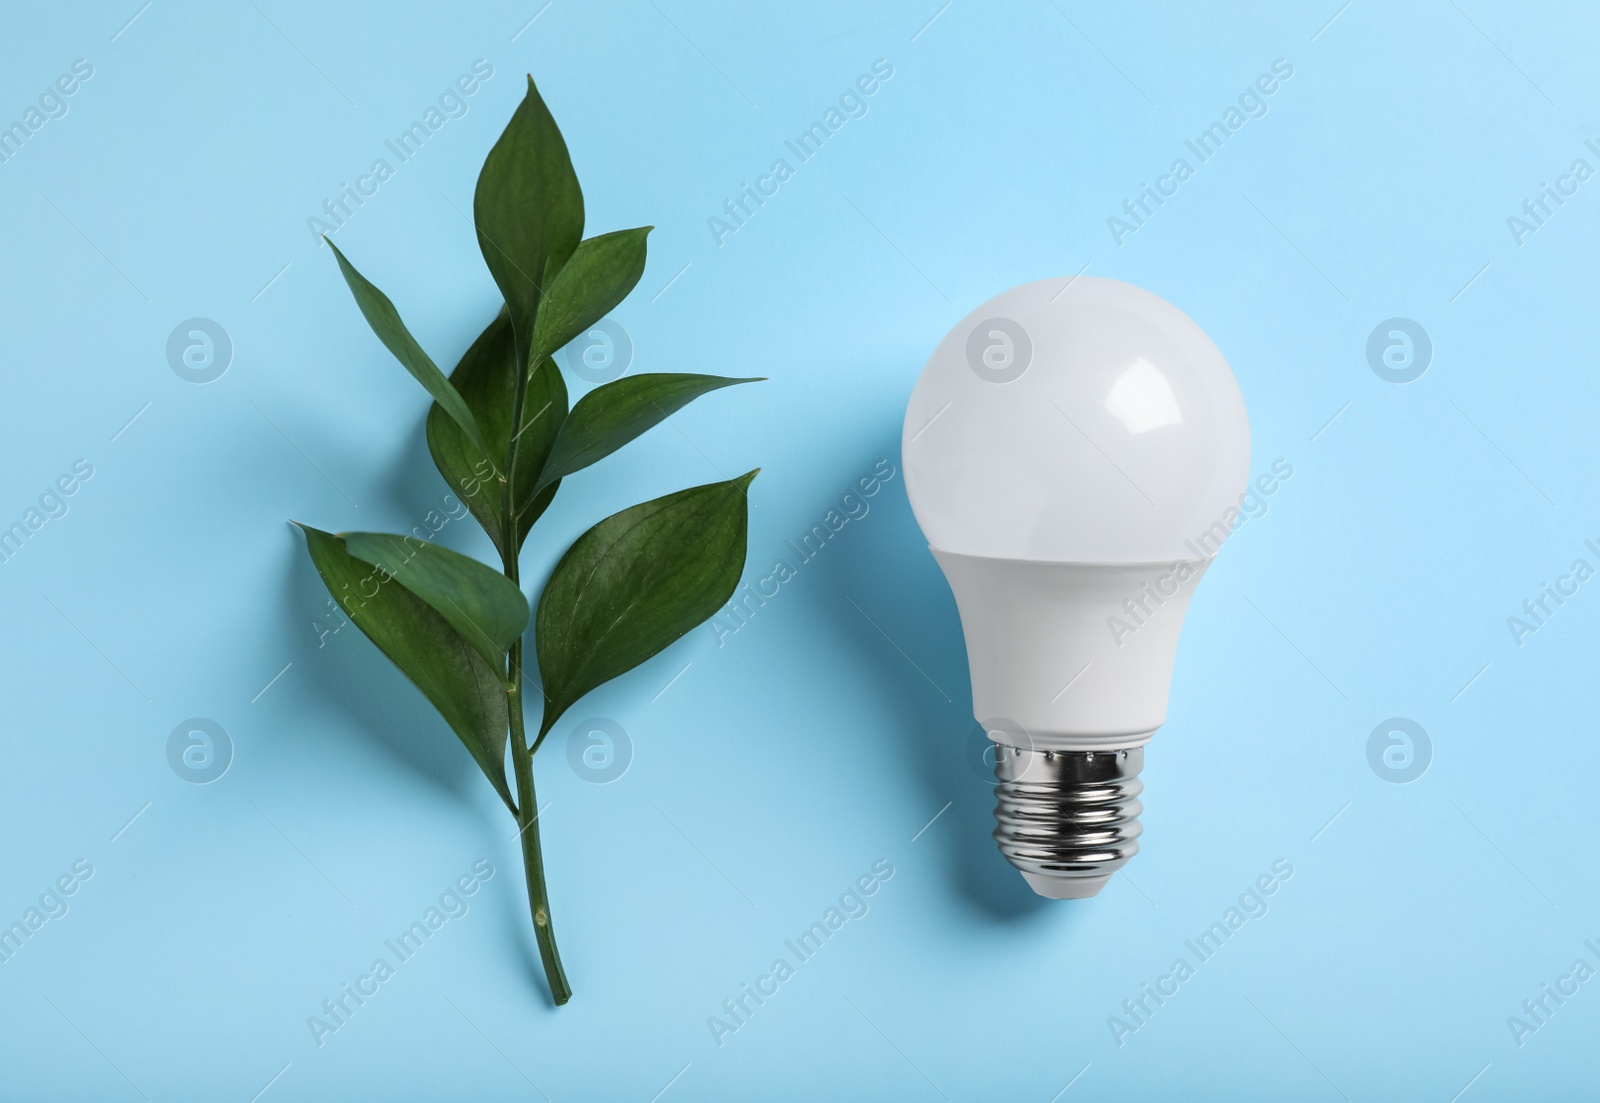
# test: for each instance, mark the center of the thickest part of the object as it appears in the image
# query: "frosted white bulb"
(1076, 451)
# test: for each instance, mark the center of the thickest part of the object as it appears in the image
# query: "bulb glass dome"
(1076, 420)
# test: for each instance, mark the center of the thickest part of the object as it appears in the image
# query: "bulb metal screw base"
(1068, 820)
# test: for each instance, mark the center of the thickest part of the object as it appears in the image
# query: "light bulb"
(1075, 451)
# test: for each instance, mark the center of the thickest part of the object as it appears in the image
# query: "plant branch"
(521, 753)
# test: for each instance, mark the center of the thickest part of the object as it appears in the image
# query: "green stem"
(532, 858)
(521, 753)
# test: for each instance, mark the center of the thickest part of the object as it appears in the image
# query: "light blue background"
(829, 730)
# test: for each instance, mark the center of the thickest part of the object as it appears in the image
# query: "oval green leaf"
(480, 603)
(450, 673)
(601, 273)
(615, 413)
(486, 377)
(528, 210)
(635, 583)
(385, 321)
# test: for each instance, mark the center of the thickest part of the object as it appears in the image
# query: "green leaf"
(634, 583)
(385, 322)
(483, 605)
(600, 275)
(615, 413)
(451, 675)
(528, 211)
(486, 377)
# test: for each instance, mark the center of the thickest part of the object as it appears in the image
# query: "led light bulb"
(1075, 451)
